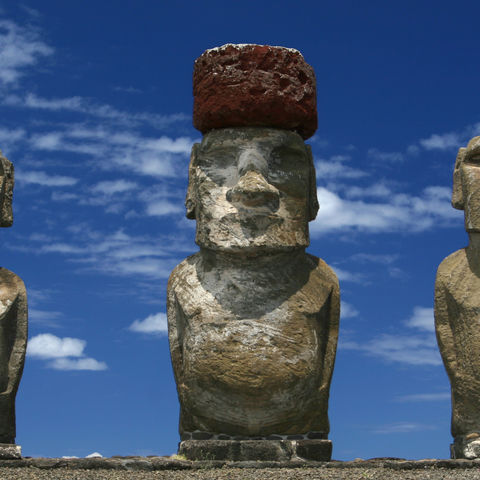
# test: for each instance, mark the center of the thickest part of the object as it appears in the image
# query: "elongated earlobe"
(191, 200)
(457, 194)
(312, 190)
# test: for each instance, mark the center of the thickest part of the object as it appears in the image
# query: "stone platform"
(256, 450)
(10, 451)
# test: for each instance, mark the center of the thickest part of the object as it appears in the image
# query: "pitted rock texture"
(256, 450)
(457, 304)
(6, 191)
(254, 85)
(13, 323)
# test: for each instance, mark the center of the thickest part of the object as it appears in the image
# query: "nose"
(253, 190)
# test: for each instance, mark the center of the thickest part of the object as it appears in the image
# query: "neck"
(243, 260)
(474, 241)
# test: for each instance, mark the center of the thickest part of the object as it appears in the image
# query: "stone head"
(466, 184)
(6, 192)
(252, 189)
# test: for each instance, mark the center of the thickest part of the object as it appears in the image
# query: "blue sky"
(96, 105)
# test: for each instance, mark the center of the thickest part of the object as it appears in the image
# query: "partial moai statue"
(457, 309)
(13, 326)
(253, 319)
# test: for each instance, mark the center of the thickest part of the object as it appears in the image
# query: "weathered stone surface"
(10, 451)
(13, 321)
(457, 304)
(253, 319)
(236, 450)
(319, 450)
(252, 191)
(254, 85)
(6, 191)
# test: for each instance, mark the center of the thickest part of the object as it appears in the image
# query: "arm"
(443, 328)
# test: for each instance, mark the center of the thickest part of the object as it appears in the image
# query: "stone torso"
(13, 342)
(458, 287)
(249, 343)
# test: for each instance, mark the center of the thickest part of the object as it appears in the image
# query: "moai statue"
(253, 319)
(13, 326)
(457, 309)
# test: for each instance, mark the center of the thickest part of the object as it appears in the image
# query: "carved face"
(6, 192)
(252, 190)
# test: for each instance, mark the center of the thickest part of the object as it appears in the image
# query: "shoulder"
(185, 269)
(12, 283)
(452, 265)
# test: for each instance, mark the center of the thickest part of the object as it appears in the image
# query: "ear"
(312, 188)
(6, 192)
(457, 194)
(191, 199)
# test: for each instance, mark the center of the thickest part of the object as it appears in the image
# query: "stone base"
(466, 446)
(265, 450)
(10, 451)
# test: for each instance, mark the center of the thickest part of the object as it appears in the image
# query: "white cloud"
(10, 138)
(163, 207)
(399, 212)
(422, 319)
(20, 48)
(117, 253)
(86, 106)
(59, 352)
(112, 187)
(450, 140)
(347, 310)
(112, 148)
(346, 276)
(77, 364)
(414, 349)
(389, 157)
(383, 259)
(424, 397)
(376, 190)
(156, 323)
(43, 317)
(47, 345)
(44, 179)
(402, 427)
(446, 141)
(336, 168)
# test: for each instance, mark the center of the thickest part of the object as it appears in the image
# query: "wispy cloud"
(147, 257)
(44, 179)
(402, 427)
(154, 324)
(399, 212)
(418, 348)
(124, 150)
(424, 397)
(88, 107)
(111, 187)
(9, 139)
(347, 310)
(450, 141)
(336, 167)
(44, 317)
(422, 318)
(62, 353)
(385, 157)
(382, 259)
(348, 276)
(20, 47)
